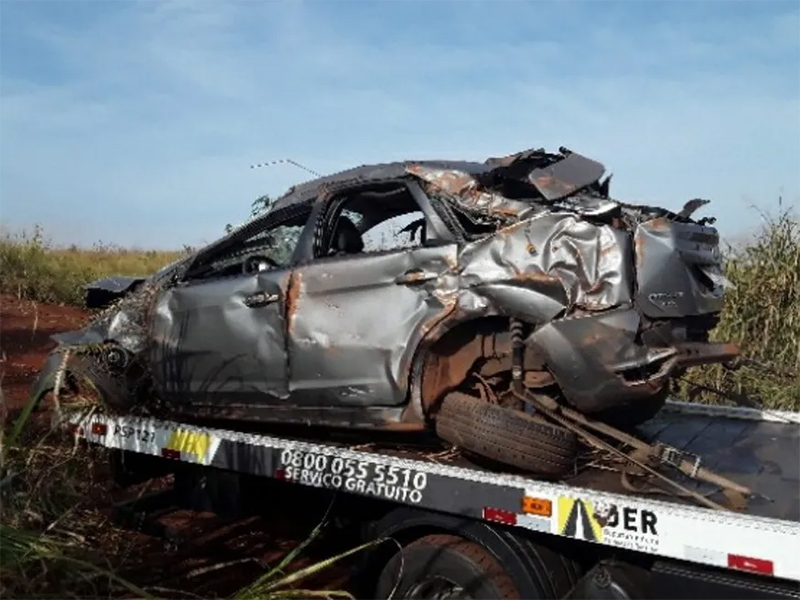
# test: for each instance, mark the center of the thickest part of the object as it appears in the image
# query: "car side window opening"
(265, 248)
(374, 220)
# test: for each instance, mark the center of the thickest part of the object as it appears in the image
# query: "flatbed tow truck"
(468, 531)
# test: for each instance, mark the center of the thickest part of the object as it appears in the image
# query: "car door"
(359, 314)
(219, 334)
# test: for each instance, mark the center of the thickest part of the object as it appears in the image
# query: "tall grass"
(762, 315)
(34, 269)
(55, 542)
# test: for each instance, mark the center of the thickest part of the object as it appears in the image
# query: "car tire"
(505, 435)
(435, 565)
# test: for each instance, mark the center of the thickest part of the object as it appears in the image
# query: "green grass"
(53, 540)
(762, 315)
(56, 543)
(33, 269)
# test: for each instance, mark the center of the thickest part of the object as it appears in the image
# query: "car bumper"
(599, 362)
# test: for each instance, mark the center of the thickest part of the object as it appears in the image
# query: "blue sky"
(135, 122)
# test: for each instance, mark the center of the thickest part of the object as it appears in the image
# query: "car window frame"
(262, 224)
(329, 210)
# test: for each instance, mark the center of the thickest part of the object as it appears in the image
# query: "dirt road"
(25, 330)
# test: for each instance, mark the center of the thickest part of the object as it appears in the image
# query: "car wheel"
(505, 435)
(444, 566)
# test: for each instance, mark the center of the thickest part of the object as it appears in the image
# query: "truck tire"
(443, 566)
(541, 566)
(508, 436)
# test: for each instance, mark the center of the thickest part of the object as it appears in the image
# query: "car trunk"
(678, 269)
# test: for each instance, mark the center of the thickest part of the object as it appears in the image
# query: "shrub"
(33, 269)
(762, 315)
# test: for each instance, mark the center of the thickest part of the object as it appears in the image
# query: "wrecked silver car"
(518, 273)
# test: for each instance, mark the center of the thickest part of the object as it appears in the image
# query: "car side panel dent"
(541, 270)
(356, 321)
(597, 360)
(209, 345)
(573, 262)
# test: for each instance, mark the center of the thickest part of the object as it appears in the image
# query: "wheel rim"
(437, 588)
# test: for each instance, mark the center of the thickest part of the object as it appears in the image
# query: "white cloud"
(163, 106)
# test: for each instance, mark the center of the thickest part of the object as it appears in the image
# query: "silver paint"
(585, 271)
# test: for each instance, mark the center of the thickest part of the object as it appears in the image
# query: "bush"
(762, 315)
(33, 269)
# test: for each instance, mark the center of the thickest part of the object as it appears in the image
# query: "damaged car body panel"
(301, 316)
(679, 269)
(553, 176)
(213, 342)
(358, 320)
(218, 335)
(359, 309)
(574, 263)
(103, 292)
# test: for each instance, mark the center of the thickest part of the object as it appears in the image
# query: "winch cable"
(738, 399)
(743, 361)
(741, 399)
(568, 419)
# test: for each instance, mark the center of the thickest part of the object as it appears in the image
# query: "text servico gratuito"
(353, 475)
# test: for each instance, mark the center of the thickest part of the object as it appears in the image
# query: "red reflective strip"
(99, 428)
(754, 565)
(280, 474)
(498, 515)
(169, 453)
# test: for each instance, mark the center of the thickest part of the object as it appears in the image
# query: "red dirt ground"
(25, 330)
(245, 544)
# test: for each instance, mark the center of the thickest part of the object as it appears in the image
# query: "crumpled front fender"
(597, 362)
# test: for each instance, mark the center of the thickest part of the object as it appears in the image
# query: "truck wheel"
(444, 566)
(511, 437)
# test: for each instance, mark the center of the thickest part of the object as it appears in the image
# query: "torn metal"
(616, 299)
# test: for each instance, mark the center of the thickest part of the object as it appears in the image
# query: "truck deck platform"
(759, 449)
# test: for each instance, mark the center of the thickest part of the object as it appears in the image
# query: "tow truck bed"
(760, 451)
(755, 448)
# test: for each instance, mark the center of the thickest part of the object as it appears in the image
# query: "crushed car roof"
(553, 175)
(306, 191)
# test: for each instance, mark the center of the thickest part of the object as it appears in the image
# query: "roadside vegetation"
(762, 316)
(53, 540)
(56, 540)
(33, 268)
